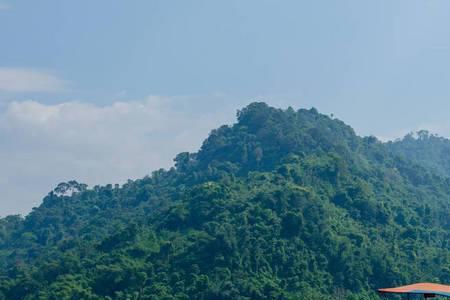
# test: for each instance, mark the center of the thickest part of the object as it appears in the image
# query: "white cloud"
(29, 80)
(42, 145)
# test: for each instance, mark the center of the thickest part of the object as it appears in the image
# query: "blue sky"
(102, 91)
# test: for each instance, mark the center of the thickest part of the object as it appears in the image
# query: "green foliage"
(429, 150)
(283, 204)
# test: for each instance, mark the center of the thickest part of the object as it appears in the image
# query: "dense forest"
(430, 150)
(283, 204)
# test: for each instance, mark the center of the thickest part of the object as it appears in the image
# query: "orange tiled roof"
(419, 288)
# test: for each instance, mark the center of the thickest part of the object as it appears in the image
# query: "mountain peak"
(264, 135)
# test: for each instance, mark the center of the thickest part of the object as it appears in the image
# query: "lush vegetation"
(430, 150)
(284, 204)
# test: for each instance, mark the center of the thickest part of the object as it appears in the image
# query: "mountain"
(283, 204)
(429, 150)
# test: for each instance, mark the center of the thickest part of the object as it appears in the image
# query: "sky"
(107, 90)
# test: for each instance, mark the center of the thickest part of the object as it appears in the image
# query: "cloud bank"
(29, 80)
(42, 145)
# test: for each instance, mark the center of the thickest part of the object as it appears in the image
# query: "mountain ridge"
(283, 204)
(422, 147)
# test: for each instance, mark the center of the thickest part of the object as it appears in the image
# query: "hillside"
(429, 150)
(283, 204)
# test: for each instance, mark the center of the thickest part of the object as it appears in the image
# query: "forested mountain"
(430, 150)
(283, 204)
